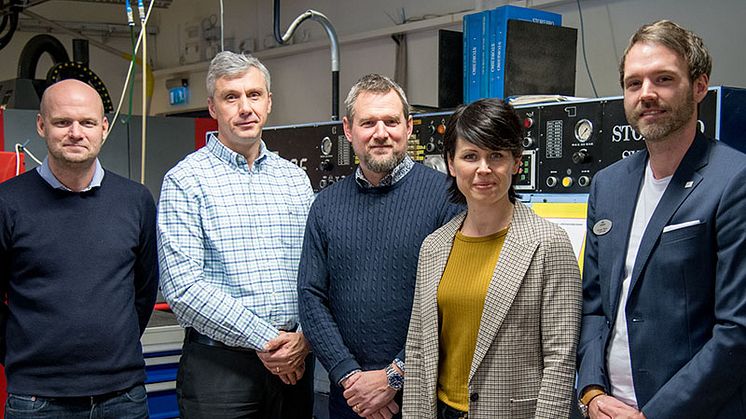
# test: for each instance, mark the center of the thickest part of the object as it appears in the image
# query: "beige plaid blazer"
(524, 361)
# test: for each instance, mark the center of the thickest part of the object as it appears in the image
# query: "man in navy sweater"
(357, 271)
(78, 272)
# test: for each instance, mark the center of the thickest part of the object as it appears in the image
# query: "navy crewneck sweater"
(80, 272)
(358, 267)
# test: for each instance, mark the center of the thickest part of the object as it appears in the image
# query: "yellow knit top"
(461, 294)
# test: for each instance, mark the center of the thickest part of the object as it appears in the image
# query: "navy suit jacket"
(686, 309)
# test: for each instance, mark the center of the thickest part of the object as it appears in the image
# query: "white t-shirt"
(617, 356)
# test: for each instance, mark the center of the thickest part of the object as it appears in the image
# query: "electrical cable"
(143, 141)
(129, 74)
(20, 147)
(222, 33)
(141, 9)
(18, 159)
(130, 15)
(129, 151)
(127, 84)
(126, 121)
(129, 110)
(124, 94)
(39, 162)
(585, 56)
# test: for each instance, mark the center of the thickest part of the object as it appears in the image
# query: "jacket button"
(474, 397)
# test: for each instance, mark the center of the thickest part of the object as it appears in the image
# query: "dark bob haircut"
(490, 124)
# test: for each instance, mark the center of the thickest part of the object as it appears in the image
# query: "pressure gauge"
(326, 146)
(583, 130)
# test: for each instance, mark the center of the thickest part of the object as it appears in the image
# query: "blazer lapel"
(515, 259)
(684, 181)
(431, 329)
(625, 201)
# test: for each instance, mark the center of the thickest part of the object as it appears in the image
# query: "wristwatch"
(583, 409)
(395, 379)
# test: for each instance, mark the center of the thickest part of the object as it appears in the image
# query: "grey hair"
(682, 41)
(374, 83)
(230, 64)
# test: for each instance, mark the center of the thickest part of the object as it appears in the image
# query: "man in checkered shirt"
(230, 229)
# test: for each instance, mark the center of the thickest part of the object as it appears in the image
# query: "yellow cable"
(144, 100)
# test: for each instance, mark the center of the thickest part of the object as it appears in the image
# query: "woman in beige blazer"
(497, 303)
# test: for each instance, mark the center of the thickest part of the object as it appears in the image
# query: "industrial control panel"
(565, 143)
(321, 149)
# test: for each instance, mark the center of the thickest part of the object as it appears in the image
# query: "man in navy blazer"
(664, 285)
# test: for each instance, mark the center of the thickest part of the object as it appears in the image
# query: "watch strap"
(591, 393)
(400, 364)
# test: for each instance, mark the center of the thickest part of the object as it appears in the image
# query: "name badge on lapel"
(602, 227)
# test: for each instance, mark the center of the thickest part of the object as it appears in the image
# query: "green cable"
(129, 114)
(134, 69)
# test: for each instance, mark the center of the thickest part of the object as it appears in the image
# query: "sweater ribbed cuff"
(342, 369)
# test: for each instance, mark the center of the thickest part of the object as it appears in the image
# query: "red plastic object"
(8, 165)
(201, 127)
(162, 307)
(2, 130)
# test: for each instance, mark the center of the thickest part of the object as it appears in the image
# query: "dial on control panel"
(583, 130)
(326, 146)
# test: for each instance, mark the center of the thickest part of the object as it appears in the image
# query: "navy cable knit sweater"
(80, 272)
(358, 267)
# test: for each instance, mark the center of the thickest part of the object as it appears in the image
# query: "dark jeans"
(339, 409)
(447, 412)
(223, 383)
(131, 404)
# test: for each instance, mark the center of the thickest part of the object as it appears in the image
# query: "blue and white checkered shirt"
(229, 243)
(397, 174)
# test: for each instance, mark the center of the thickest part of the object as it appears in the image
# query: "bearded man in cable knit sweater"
(357, 271)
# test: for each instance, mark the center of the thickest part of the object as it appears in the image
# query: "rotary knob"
(581, 156)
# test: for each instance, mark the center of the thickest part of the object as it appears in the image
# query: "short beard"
(385, 165)
(678, 118)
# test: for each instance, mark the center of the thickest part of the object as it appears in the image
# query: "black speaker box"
(539, 59)
(450, 68)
